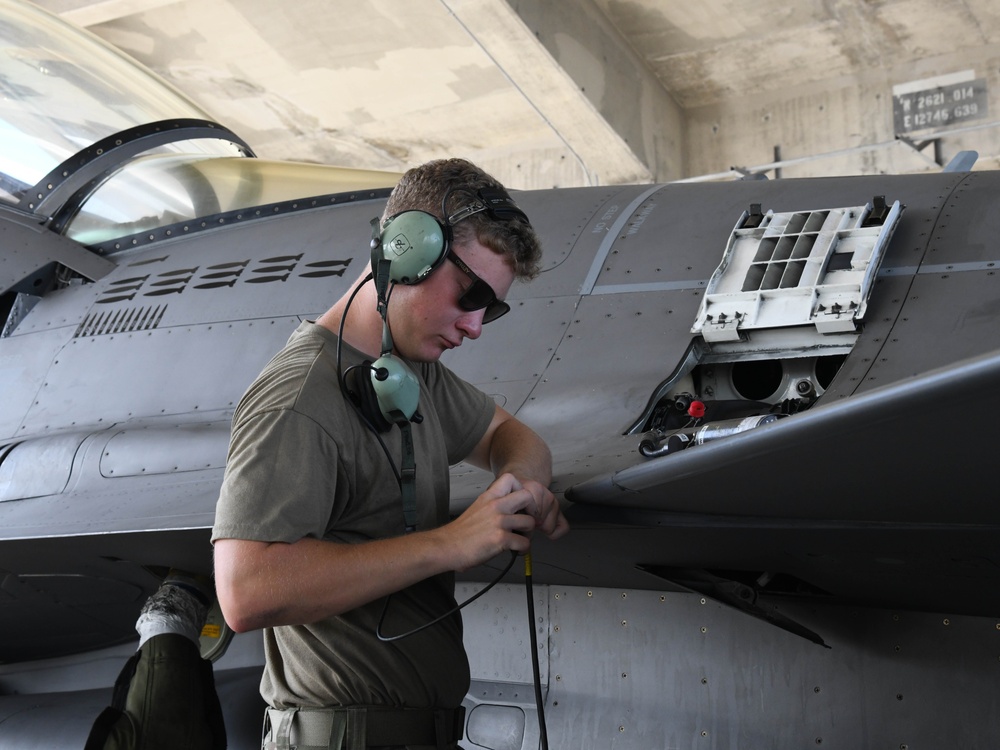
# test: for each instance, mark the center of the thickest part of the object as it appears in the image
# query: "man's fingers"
(525, 506)
(515, 502)
(520, 523)
(541, 497)
(503, 485)
(519, 544)
(560, 528)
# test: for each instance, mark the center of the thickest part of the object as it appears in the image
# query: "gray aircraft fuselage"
(851, 320)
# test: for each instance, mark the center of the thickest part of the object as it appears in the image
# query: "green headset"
(406, 250)
(413, 243)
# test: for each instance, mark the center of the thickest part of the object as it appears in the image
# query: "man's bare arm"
(510, 446)
(266, 584)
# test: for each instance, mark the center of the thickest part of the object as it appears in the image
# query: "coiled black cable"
(385, 608)
(533, 636)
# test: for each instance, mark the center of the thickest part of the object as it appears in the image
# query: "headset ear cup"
(362, 393)
(396, 388)
(415, 243)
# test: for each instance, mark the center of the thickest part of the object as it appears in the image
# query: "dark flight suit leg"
(164, 698)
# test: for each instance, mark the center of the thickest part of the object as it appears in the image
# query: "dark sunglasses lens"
(477, 296)
(481, 295)
(496, 310)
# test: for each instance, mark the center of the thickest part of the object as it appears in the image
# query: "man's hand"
(545, 510)
(493, 524)
(502, 519)
(511, 447)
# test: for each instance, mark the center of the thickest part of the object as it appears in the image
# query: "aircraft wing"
(76, 565)
(883, 497)
(909, 453)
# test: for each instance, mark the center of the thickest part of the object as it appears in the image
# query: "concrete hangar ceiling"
(577, 92)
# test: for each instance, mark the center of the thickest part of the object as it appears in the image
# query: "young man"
(311, 539)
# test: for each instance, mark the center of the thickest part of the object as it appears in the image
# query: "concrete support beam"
(90, 14)
(603, 152)
(613, 78)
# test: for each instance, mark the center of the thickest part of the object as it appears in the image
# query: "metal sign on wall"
(939, 102)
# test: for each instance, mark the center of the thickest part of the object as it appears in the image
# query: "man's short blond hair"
(425, 188)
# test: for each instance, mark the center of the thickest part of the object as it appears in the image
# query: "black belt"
(354, 727)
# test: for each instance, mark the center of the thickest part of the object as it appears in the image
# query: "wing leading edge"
(885, 498)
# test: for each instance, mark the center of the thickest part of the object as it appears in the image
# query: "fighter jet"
(771, 405)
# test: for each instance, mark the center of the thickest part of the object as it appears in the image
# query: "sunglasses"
(479, 295)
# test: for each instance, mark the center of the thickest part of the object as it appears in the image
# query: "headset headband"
(494, 201)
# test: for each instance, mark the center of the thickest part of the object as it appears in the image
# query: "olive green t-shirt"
(302, 464)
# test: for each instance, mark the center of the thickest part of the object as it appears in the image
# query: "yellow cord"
(527, 563)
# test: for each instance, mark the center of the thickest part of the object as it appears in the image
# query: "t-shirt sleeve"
(280, 482)
(465, 411)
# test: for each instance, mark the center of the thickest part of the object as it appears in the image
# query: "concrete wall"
(839, 118)
(727, 117)
(615, 80)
